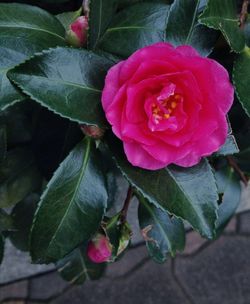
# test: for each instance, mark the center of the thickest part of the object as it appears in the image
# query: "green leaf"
(140, 25)
(125, 3)
(100, 14)
(24, 30)
(67, 81)
(229, 186)
(222, 15)
(230, 147)
(163, 235)
(19, 176)
(22, 217)
(76, 267)
(3, 142)
(247, 31)
(183, 27)
(188, 193)
(1, 248)
(110, 172)
(72, 207)
(115, 59)
(119, 234)
(69, 17)
(243, 160)
(6, 222)
(18, 124)
(241, 79)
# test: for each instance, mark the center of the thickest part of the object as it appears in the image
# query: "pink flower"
(99, 249)
(168, 105)
(77, 34)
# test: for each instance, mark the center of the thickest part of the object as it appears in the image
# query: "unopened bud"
(92, 131)
(77, 33)
(99, 249)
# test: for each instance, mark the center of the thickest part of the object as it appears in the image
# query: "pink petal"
(187, 51)
(140, 158)
(112, 85)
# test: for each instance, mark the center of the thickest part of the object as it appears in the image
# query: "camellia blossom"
(77, 33)
(168, 105)
(99, 249)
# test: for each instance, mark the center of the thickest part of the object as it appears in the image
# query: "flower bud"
(99, 249)
(77, 33)
(92, 131)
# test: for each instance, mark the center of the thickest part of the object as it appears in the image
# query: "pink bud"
(99, 249)
(92, 131)
(77, 34)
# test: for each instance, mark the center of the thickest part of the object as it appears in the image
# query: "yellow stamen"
(173, 104)
(166, 116)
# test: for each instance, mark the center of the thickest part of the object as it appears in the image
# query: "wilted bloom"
(99, 249)
(77, 33)
(168, 105)
(92, 131)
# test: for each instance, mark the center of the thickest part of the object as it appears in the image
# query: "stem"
(126, 204)
(237, 169)
(244, 13)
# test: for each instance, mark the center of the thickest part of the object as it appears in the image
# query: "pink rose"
(168, 105)
(99, 249)
(77, 34)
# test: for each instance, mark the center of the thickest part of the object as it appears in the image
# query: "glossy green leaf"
(135, 27)
(241, 79)
(125, 3)
(17, 123)
(163, 235)
(119, 234)
(222, 15)
(22, 218)
(6, 222)
(67, 81)
(247, 31)
(1, 248)
(188, 193)
(230, 147)
(72, 207)
(100, 15)
(24, 30)
(3, 142)
(19, 176)
(243, 160)
(110, 172)
(230, 189)
(69, 17)
(183, 27)
(115, 59)
(76, 267)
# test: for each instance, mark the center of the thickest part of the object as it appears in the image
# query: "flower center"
(164, 107)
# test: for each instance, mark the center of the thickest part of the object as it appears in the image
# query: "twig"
(126, 205)
(244, 13)
(237, 169)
